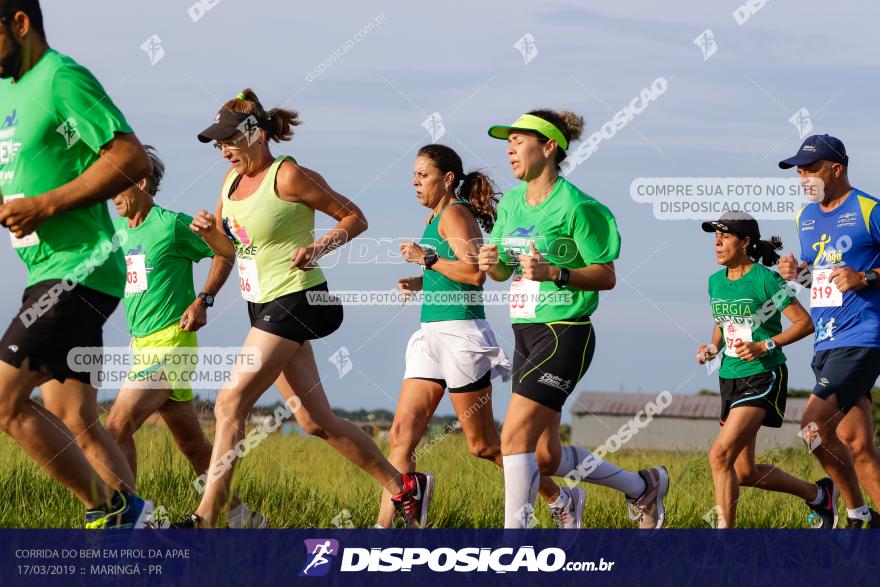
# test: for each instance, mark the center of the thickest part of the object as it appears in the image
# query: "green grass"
(302, 482)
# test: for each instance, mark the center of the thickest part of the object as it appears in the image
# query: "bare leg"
(231, 409)
(418, 401)
(76, 404)
(299, 379)
(833, 455)
(45, 438)
(856, 430)
(770, 477)
(132, 407)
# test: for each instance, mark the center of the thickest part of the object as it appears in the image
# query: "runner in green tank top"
(66, 150)
(559, 244)
(455, 348)
(267, 209)
(747, 301)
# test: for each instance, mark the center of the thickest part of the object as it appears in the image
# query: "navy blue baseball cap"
(818, 148)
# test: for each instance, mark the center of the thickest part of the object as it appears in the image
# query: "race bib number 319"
(823, 292)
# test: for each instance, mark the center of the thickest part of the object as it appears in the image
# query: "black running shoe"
(191, 521)
(874, 522)
(825, 515)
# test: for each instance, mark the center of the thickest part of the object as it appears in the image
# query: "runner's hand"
(749, 351)
(22, 216)
(848, 280)
(534, 266)
(203, 223)
(195, 316)
(408, 286)
(305, 257)
(706, 353)
(488, 257)
(788, 267)
(413, 253)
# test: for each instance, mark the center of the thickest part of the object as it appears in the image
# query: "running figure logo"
(802, 122)
(706, 42)
(319, 556)
(527, 47)
(69, 131)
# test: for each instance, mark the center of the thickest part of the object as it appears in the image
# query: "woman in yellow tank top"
(267, 209)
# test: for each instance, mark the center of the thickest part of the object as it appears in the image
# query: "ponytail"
(481, 193)
(277, 122)
(765, 251)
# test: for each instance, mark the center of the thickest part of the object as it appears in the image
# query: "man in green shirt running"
(163, 314)
(64, 149)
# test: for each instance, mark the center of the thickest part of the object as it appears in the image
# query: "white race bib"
(27, 240)
(523, 297)
(135, 274)
(249, 279)
(734, 333)
(823, 292)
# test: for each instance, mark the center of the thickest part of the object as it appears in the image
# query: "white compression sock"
(598, 471)
(520, 489)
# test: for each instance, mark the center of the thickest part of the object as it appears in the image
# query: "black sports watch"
(430, 258)
(564, 276)
(872, 278)
(207, 298)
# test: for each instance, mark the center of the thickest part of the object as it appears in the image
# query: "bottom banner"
(367, 557)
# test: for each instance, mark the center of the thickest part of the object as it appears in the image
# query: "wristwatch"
(207, 298)
(872, 278)
(564, 276)
(770, 344)
(430, 258)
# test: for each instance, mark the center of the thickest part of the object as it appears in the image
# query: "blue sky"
(727, 116)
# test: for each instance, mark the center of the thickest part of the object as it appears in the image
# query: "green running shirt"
(53, 123)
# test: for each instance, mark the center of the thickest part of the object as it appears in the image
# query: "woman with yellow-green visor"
(558, 245)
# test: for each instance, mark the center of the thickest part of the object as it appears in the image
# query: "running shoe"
(412, 503)
(648, 508)
(245, 517)
(825, 514)
(571, 514)
(874, 522)
(128, 511)
(191, 521)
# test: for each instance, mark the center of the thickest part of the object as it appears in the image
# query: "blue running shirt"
(846, 237)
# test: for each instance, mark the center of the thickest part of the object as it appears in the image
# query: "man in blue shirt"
(840, 260)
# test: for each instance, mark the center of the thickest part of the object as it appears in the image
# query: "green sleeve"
(776, 289)
(81, 99)
(187, 243)
(594, 230)
(497, 234)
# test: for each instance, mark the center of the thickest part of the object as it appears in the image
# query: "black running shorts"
(549, 359)
(292, 316)
(765, 390)
(51, 322)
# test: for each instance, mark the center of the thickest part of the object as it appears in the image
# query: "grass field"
(302, 482)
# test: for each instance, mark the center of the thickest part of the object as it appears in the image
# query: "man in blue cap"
(840, 261)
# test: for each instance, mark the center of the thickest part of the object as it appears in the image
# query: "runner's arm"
(302, 185)
(459, 228)
(122, 162)
(801, 325)
(598, 277)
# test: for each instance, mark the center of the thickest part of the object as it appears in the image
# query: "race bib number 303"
(135, 274)
(823, 292)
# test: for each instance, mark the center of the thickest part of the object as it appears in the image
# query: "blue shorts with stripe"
(765, 390)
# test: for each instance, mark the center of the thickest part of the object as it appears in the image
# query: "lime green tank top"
(265, 230)
(440, 301)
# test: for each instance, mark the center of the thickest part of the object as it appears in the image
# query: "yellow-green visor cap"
(533, 124)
